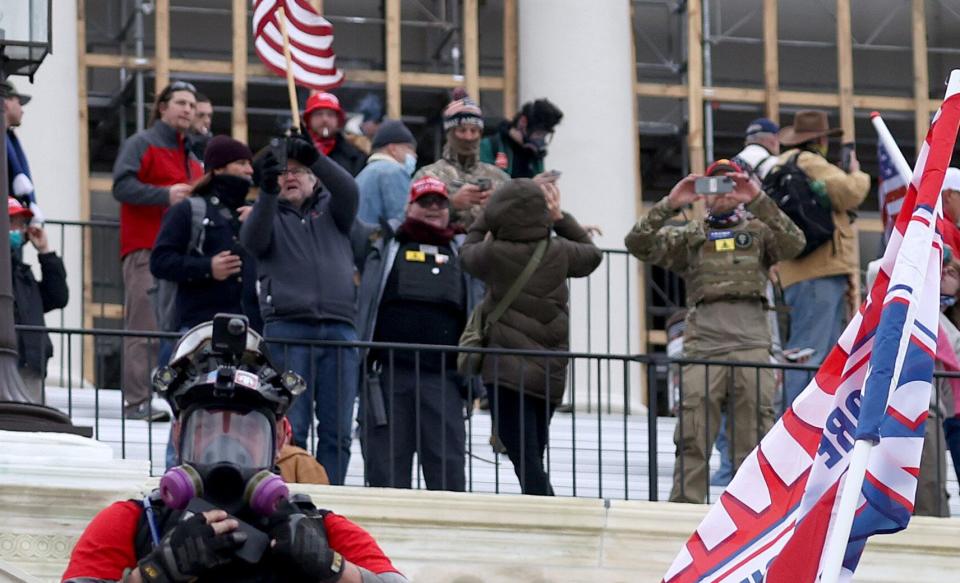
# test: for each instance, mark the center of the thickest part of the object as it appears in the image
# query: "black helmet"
(224, 362)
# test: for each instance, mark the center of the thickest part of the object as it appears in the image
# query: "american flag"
(311, 43)
(772, 522)
(891, 189)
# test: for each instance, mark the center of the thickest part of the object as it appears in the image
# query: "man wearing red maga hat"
(324, 120)
(415, 403)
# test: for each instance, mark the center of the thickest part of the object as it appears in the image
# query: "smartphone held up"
(713, 185)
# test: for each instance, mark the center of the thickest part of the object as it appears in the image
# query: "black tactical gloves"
(300, 547)
(188, 551)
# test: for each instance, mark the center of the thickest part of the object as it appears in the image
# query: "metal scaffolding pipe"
(707, 82)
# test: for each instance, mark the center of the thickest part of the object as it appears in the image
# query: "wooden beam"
(639, 268)
(803, 98)
(771, 60)
(83, 118)
(661, 90)
(161, 17)
(393, 59)
(695, 85)
(883, 103)
(510, 58)
(735, 94)
(845, 70)
(208, 66)
(238, 121)
(921, 80)
(409, 78)
(471, 47)
(98, 184)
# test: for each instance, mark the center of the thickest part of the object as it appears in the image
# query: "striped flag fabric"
(772, 522)
(891, 189)
(311, 43)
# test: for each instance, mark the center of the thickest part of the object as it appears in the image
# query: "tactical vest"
(728, 265)
(427, 273)
(266, 571)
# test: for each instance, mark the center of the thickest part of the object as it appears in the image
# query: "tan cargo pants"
(932, 481)
(139, 354)
(746, 393)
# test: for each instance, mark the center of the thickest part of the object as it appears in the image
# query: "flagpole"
(896, 156)
(839, 536)
(291, 84)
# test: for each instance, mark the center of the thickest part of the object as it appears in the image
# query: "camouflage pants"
(746, 393)
(932, 481)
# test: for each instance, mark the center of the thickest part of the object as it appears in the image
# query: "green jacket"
(491, 147)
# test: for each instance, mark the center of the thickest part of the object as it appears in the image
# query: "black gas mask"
(228, 399)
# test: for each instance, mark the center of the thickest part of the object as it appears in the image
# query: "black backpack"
(790, 187)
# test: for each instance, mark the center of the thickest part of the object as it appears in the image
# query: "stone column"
(581, 58)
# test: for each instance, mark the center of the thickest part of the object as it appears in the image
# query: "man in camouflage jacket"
(725, 260)
(469, 181)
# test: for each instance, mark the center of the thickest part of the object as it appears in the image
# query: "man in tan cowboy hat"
(816, 285)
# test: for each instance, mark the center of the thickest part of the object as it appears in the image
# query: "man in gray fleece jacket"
(298, 231)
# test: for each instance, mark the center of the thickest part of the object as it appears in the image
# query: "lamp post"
(25, 40)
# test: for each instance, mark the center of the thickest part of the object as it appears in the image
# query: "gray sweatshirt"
(305, 262)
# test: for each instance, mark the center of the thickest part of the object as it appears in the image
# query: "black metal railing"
(597, 449)
(601, 306)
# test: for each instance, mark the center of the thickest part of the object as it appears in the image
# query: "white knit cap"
(951, 180)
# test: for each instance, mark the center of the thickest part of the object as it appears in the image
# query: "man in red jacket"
(152, 172)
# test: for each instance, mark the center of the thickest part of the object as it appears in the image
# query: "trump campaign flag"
(773, 522)
(892, 182)
(310, 42)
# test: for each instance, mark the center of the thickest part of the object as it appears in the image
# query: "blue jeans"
(816, 321)
(951, 433)
(724, 473)
(332, 376)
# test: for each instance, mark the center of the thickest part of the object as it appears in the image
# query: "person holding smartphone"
(32, 298)
(469, 180)
(724, 259)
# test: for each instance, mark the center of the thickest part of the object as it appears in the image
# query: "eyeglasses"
(433, 201)
(295, 172)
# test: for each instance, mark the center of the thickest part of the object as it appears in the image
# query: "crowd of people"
(326, 238)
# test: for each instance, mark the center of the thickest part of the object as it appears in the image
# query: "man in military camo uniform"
(724, 260)
(460, 168)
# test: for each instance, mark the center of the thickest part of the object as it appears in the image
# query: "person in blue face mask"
(384, 183)
(32, 298)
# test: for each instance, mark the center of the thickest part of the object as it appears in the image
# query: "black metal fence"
(596, 449)
(601, 305)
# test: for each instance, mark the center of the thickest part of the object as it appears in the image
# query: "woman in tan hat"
(816, 285)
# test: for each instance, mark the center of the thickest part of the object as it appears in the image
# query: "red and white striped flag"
(773, 521)
(311, 43)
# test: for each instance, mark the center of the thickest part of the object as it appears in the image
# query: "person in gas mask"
(222, 514)
(520, 145)
(469, 181)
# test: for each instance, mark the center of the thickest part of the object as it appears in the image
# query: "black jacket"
(199, 295)
(348, 156)
(31, 300)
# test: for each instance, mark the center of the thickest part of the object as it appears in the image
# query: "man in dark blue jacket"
(31, 299)
(213, 272)
(299, 234)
